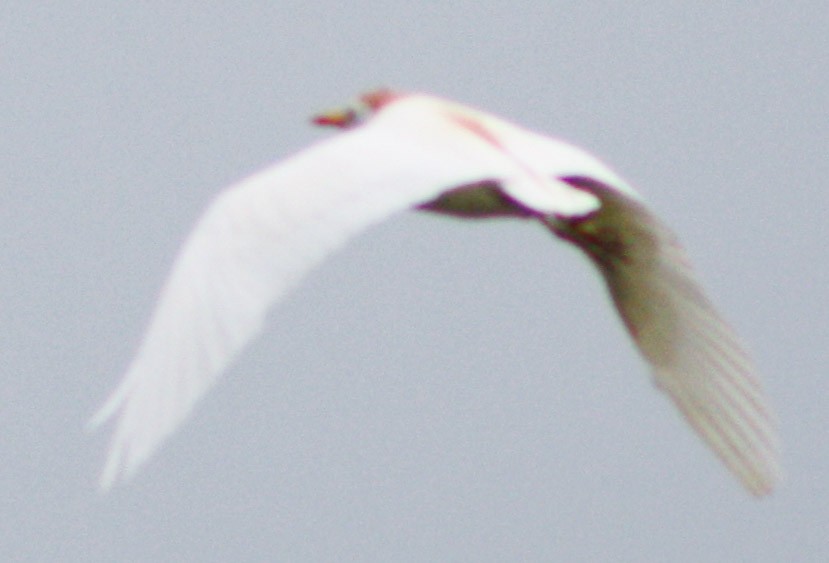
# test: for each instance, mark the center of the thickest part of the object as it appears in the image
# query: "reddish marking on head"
(377, 99)
(359, 111)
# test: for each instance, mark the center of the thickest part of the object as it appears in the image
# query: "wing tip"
(765, 481)
(122, 461)
(762, 474)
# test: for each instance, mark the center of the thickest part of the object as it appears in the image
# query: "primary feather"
(695, 356)
(261, 236)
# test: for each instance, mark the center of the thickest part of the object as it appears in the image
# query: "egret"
(399, 151)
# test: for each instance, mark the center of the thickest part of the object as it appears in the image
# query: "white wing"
(260, 237)
(695, 356)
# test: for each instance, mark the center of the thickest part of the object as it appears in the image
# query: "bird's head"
(356, 112)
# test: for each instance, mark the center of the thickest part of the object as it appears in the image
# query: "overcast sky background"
(441, 389)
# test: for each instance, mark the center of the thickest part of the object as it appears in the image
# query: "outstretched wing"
(695, 356)
(257, 240)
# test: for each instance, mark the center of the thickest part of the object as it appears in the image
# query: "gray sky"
(440, 390)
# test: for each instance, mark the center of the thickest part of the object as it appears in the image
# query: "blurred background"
(441, 389)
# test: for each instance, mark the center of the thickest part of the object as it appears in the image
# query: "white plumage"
(259, 238)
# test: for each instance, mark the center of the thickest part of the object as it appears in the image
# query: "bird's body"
(261, 236)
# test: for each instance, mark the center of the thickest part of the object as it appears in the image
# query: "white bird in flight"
(398, 151)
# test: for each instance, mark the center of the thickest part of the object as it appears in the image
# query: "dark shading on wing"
(695, 356)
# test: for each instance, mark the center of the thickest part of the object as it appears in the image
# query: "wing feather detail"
(256, 241)
(694, 355)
